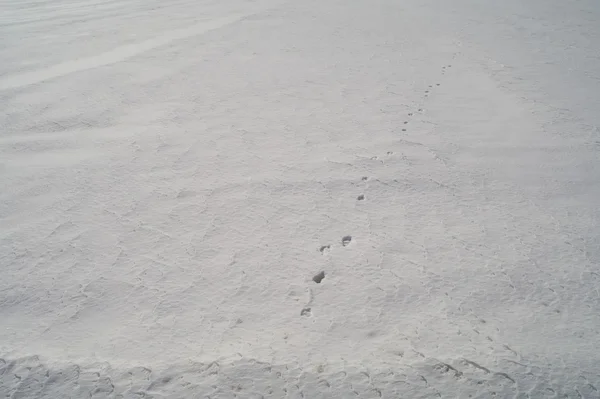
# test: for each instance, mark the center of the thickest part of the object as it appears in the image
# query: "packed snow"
(299, 199)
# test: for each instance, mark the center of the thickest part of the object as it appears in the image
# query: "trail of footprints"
(346, 240)
(498, 377)
(319, 277)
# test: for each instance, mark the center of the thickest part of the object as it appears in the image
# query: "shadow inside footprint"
(319, 277)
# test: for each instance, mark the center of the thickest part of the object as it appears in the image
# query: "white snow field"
(175, 176)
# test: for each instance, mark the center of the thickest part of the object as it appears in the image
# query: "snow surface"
(175, 176)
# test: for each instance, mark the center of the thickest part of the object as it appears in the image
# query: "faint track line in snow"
(114, 56)
(307, 309)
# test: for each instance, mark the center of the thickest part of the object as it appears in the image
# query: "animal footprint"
(306, 312)
(324, 248)
(319, 277)
(346, 240)
(361, 197)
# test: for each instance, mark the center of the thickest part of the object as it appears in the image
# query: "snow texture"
(299, 199)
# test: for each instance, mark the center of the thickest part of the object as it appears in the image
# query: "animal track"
(306, 312)
(361, 197)
(319, 277)
(324, 248)
(346, 240)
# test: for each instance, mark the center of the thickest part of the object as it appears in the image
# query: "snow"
(318, 199)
